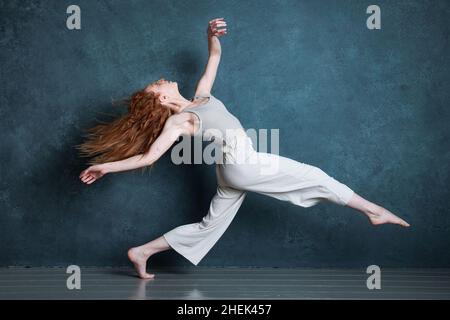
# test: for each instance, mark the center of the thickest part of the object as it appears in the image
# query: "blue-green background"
(370, 108)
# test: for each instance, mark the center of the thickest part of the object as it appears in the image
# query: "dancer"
(158, 115)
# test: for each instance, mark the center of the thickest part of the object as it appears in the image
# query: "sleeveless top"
(215, 121)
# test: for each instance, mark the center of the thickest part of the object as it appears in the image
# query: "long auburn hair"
(128, 135)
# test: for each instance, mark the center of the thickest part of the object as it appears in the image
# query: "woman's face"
(164, 88)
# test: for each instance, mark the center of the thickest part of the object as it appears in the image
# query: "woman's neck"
(183, 102)
(178, 103)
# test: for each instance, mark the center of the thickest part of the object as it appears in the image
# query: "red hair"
(128, 135)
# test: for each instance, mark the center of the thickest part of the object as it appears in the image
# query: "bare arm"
(158, 148)
(175, 126)
(206, 82)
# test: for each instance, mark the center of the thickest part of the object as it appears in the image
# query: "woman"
(158, 115)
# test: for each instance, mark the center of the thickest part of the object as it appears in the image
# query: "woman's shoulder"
(202, 96)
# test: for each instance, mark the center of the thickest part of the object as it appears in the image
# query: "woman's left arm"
(173, 128)
(206, 82)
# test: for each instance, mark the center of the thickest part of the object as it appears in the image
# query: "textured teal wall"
(370, 108)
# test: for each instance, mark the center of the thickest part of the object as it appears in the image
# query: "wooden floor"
(224, 283)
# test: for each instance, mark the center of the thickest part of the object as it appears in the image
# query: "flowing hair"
(128, 135)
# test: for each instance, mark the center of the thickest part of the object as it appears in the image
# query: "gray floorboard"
(224, 283)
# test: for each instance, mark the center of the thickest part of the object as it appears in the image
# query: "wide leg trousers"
(248, 170)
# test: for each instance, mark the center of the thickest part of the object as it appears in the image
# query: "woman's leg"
(376, 214)
(303, 185)
(139, 255)
(193, 241)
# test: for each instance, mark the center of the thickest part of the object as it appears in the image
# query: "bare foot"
(381, 216)
(139, 259)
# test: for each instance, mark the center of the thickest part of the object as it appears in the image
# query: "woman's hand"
(93, 173)
(214, 25)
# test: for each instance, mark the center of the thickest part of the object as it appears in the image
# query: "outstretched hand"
(92, 173)
(214, 25)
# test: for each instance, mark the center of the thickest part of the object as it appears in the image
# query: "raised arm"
(216, 29)
(175, 126)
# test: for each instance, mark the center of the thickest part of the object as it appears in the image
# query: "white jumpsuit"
(244, 169)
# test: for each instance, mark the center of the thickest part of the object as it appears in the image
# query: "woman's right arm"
(175, 126)
(216, 29)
